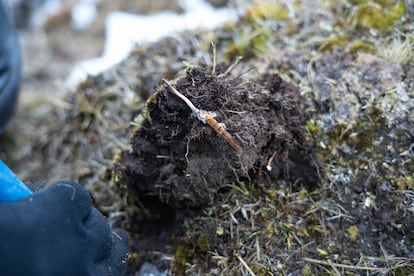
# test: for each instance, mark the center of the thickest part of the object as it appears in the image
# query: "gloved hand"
(57, 231)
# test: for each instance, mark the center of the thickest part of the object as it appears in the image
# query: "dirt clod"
(184, 162)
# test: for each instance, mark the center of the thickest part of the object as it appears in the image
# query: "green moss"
(353, 232)
(180, 259)
(203, 243)
(378, 14)
(363, 138)
(360, 135)
(253, 34)
(307, 270)
(406, 270)
(331, 42)
(360, 46)
(405, 183)
(260, 269)
(144, 115)
(266, 10)
(312, 126)
(249, 42)
(117, 174)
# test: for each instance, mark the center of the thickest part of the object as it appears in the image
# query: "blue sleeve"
(11, 188)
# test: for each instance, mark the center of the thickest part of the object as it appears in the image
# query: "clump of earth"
(183, 162)
(178, 164)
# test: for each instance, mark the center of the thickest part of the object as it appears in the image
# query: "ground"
(348, 65)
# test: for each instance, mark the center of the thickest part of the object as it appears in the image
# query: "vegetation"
(352, 63)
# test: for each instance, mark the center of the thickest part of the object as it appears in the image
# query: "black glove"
(57, 231)
(9, 65)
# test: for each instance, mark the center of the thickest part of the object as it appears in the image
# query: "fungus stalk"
(207, 118)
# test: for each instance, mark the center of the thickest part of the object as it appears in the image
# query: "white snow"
(83, 14)
(124, 30)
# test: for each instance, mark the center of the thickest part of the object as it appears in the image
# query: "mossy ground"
(354, 72)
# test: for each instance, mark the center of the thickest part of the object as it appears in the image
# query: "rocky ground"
(350, 63)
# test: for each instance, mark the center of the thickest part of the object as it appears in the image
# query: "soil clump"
(184, 162)
(179, 164)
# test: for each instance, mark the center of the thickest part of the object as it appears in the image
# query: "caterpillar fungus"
(207, 118)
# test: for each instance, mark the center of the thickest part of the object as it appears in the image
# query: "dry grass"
(398, 50)
(358, 221)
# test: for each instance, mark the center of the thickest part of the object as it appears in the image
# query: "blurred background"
(65, 41)
(56, 35)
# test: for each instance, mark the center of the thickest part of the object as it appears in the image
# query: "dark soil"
(185, 162)
(178, 163)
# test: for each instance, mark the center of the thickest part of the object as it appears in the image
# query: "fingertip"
(119, 251)
(74, 194)
(120, 242)
(71, 190)
(116, 263)
(99, 233)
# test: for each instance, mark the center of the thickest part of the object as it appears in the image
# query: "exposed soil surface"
(179, 163)
(184, 162)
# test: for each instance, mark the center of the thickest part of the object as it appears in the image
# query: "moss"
(405, 183)
(312, 126)
(360, 135)
(264, 10)
(253, 35)
(363, 136)
(145, 115)
(327, 44)
(307, 270)
(378, 14)
(353, 232)
(203, 243)
(358, 46)
(270, 220)
(322, 252)
(180, 259)
(260, 269)
(249, 42)
(116, 175)
(406, 270)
